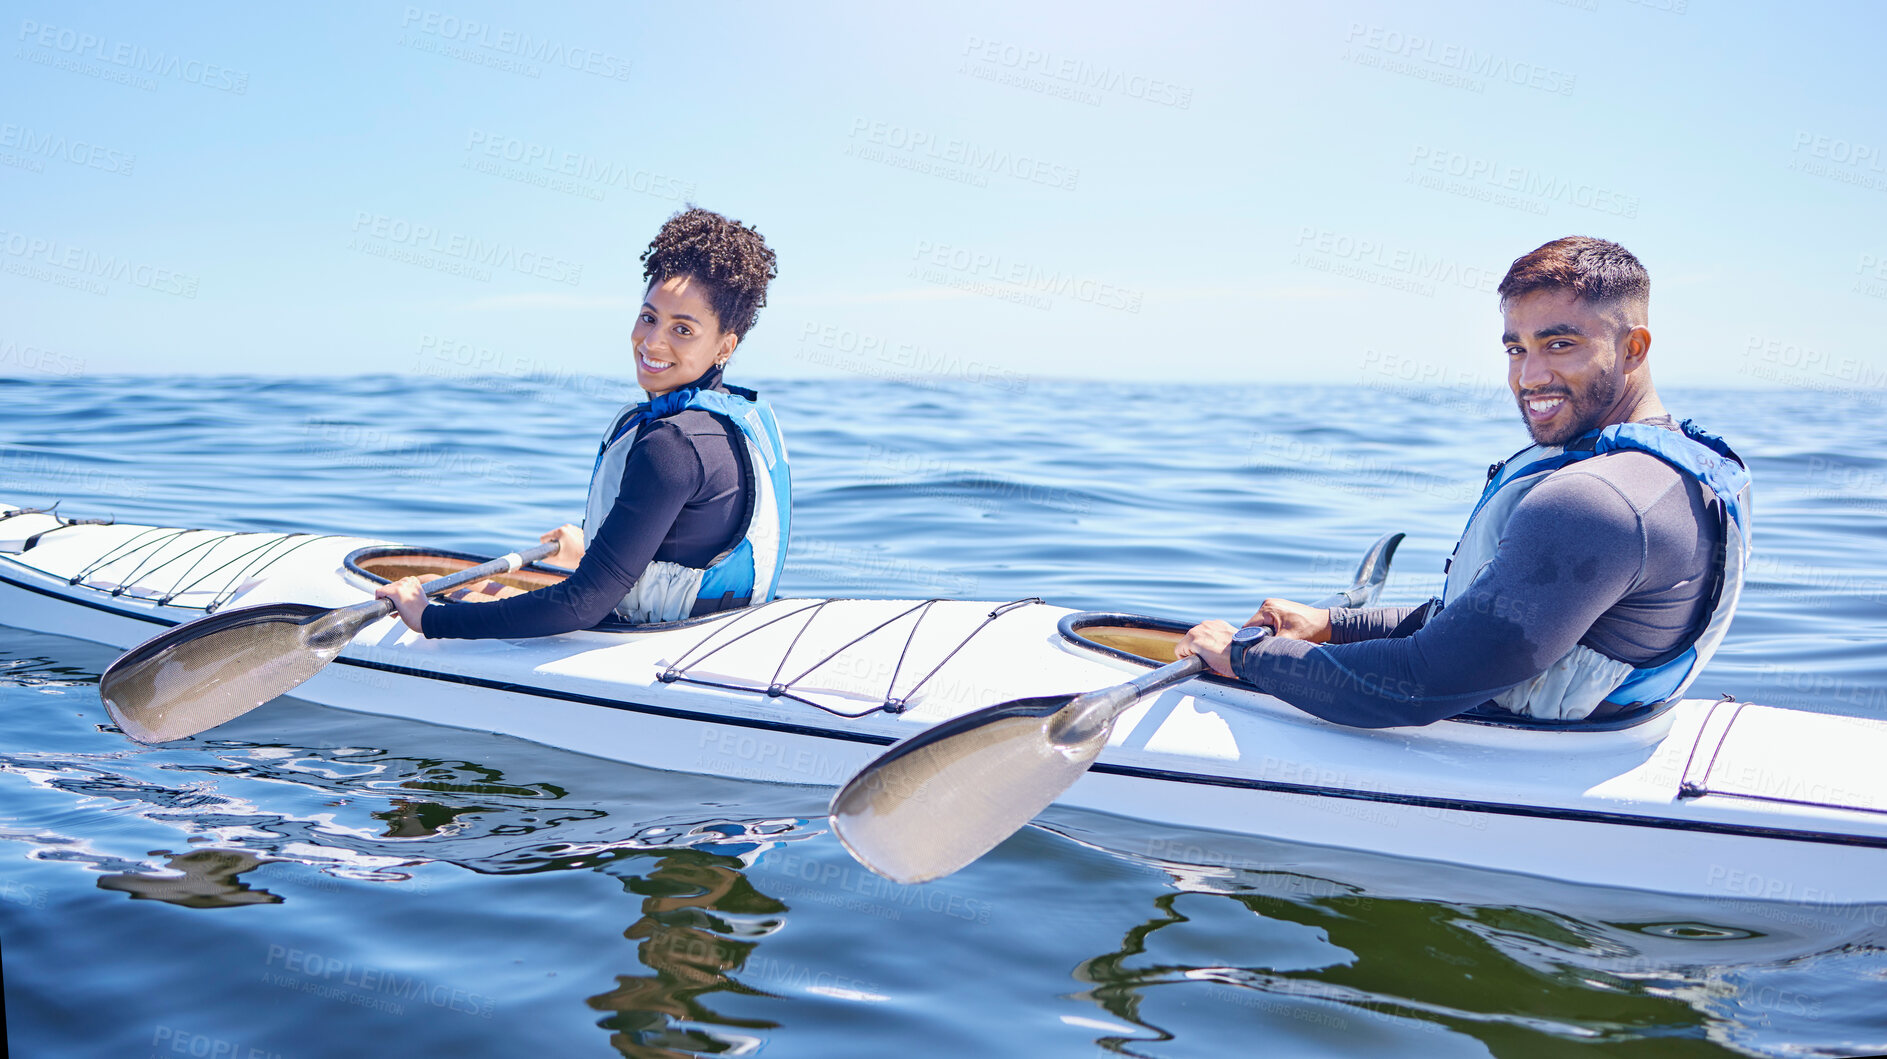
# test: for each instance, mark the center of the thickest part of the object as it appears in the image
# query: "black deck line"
(623, 704)
(1129, 771)
(1170, 776)
(152, 618)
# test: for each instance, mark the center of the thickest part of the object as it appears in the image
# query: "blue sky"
(1294, 192)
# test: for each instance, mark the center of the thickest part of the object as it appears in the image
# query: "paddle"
(944, 797)
(199, 674)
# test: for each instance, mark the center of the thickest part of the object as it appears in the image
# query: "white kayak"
(1715, 798)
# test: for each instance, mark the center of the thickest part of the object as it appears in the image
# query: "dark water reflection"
(702, 920)
(202, 878)
(1553, 969)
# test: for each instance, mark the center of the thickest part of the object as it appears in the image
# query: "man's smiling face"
(1566, 362)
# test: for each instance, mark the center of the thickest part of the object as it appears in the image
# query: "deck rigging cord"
(890, 702)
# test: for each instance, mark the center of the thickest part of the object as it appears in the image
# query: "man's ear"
(1637, 348)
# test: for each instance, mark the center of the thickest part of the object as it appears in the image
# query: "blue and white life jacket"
(748, 571)
(1583, 678)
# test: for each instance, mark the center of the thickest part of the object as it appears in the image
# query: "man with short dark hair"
(1597, 573)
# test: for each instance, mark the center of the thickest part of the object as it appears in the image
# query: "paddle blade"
(948, 795)
(200, 674)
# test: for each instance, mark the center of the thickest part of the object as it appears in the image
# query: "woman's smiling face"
(677, 337)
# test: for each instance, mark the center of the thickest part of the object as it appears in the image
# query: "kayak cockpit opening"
(1149, 642)
(1130, 636)
(380, 564)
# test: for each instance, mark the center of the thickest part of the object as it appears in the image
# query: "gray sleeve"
(1572, 549)
(1350, 624)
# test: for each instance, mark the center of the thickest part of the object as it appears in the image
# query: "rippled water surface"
(312, 882)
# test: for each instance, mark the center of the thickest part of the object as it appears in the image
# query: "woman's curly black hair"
(731, 259)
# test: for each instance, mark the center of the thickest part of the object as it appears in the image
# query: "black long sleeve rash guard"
(684, 495)
(1616, 552)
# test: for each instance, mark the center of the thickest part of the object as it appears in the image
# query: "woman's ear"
(728, 342)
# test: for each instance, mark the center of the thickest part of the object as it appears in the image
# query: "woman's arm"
(662, 474)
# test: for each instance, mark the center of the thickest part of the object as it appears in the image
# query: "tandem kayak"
(1717, 798)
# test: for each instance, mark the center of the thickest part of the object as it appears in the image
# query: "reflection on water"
(1585, 966)
(203, 878)
(701, 920)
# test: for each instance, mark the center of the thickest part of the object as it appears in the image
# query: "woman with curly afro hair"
(690, 501)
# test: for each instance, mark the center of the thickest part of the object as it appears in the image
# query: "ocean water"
(312, 882)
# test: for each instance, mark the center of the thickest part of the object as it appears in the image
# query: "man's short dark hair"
(1594, 269)
(728, 258)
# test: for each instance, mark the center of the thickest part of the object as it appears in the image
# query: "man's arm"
(1351, 624)
(1572, 549)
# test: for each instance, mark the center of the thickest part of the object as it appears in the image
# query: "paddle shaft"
(1166, 676)
(504, 564)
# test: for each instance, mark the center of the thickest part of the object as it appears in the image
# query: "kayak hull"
(725, 697)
